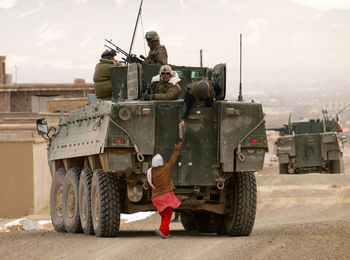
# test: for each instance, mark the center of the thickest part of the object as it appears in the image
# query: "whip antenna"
(240, 97)
(137, 21)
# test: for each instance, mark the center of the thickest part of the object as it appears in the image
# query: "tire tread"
(109, 204)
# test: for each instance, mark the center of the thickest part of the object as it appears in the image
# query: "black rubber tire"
(56, 200)
(241, 198)
(85, 201)
(336, 166)
(70, 209)
(283, 168)
(105, 204)
(187, 221)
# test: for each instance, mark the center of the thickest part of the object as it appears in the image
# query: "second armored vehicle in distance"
(312, 146)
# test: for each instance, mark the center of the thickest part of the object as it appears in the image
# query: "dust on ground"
(298, 217)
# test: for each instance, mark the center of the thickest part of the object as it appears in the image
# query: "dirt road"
(298, 217)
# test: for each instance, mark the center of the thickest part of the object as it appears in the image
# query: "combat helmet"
(107, 54)
(152, 36)
(202, 89)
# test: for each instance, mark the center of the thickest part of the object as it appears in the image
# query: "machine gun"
(129, 58)
(336, 117)
(284, 130)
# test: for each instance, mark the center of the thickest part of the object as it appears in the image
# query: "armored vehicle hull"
(314, 146)
(100, 154)
(310, 153)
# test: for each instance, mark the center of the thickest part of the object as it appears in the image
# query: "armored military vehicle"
(312, 146)
(99, 156)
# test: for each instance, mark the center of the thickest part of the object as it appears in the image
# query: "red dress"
(163, 201)
(165, 205)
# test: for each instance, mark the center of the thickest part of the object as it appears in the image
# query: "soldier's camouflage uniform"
(165, 89)
(102, 79)
(157, 55)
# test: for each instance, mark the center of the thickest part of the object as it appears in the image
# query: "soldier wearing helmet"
(157, 53)
(102, 77)
(200, 89)
(165, 84)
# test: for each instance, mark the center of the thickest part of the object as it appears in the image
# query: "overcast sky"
(283, 40)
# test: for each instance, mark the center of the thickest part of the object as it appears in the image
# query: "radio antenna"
(240, 97)
(137, 21)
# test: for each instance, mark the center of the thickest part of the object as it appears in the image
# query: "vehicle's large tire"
(283, 168)
(336, 166)
(241, 199)
(187, 221)
(105, 204)
(56, 200)
(70, 209)
(85, 201)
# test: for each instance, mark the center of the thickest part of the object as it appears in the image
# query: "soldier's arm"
(188, 101)
(175, 154)
(162, 56)
(171, 94)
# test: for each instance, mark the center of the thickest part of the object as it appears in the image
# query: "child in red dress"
(163, 197)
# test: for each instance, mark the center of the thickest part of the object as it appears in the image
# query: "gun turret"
(129, 58)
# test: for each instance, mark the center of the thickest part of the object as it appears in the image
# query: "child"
(163, 197)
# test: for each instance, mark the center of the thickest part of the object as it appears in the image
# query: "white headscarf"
(157, 161)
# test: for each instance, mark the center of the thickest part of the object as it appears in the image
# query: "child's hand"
(178, 145)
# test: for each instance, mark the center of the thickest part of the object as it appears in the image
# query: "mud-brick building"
(24, 173)
(33, 97)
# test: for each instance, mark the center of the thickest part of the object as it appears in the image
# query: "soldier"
(102, 77)
(200, 89)
(157, 53)
(165, 84)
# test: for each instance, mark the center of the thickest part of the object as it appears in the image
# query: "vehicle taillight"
(255, 140)
(117, 141)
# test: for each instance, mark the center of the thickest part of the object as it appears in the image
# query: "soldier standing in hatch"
(157, 53)
(165, 85)
(102, 76)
